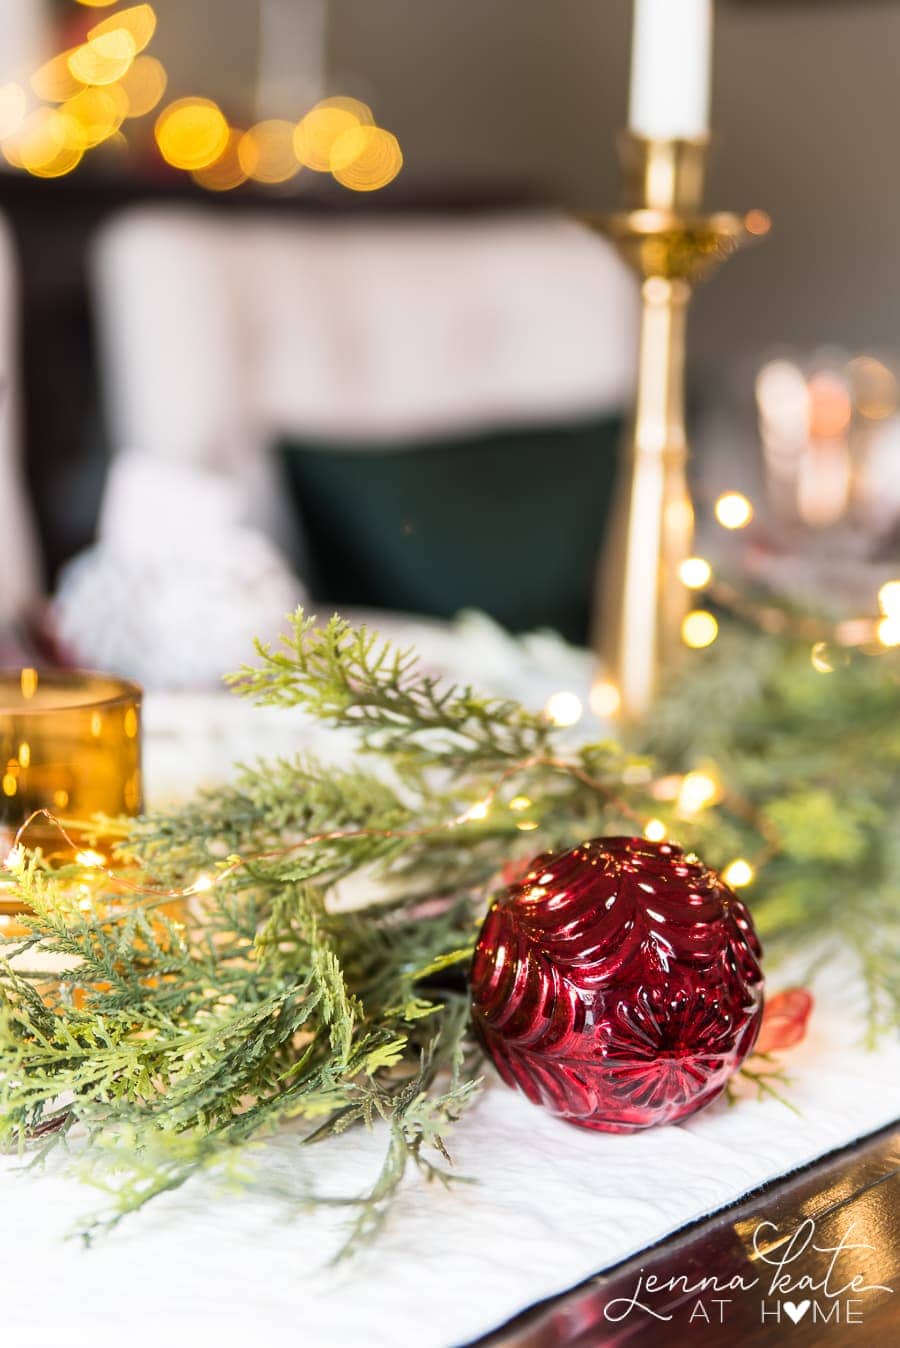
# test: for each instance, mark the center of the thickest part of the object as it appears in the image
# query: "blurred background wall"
(806, 109)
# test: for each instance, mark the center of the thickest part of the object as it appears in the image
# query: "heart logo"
(796, 1312)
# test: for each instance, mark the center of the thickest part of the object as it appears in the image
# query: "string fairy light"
(150, 896)
(478, 811)
(818, 658)
(888, 631)
(733, 510)
(605, 700)
(889, 599)
(699, 629)
(564, 709)
(739, 873)
(91, 859)
(696, 792)
(695, 573)
(889, 603)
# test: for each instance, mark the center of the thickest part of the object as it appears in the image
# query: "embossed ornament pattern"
(618, 984)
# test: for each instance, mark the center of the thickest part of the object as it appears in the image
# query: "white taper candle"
(670, 68)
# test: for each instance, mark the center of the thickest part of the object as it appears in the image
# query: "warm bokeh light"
(695, 573)
(654, 830)
(360, 110)
(875, 388)
(144, 85)
(54, 81)
(889, 598)
(782, 397)
(605, 698)
(57, 165)
(103, 59)
(316, 133)
(818, 658)
(666, 788)
(739, 873)
(699, 628)
(696, 792)
(854, 631)
(94, 115)
(366, 158)
(519, 803)
(830, 405)
(757, 223)
(563, 709)
(527, 825)
(13, 103)
(226, 173)
(139, 21)
(824, 482)
(733, 510)
(43, 145)
(192, 133)
(266, 152)
(889, 631)
(96, 4)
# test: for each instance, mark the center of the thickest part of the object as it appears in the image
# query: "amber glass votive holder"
(70, 744)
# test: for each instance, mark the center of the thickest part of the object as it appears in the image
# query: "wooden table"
(854, 1194)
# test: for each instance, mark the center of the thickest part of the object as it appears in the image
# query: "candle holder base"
(665, 244)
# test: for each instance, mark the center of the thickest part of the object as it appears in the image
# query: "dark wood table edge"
(809, 1190)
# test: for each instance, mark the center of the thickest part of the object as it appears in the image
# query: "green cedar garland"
(183, 1042)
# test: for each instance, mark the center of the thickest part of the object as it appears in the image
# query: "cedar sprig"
(181, 1038)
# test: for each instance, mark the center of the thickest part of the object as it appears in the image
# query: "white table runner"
(550, 1204)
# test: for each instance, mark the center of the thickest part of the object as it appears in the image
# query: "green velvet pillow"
(507, 521)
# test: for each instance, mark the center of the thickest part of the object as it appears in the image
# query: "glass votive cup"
(70, 744)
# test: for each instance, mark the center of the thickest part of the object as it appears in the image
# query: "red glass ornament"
(618, 984)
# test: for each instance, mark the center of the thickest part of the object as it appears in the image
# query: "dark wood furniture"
(852, 1194)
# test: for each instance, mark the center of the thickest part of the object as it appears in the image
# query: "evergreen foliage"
(188, 1029)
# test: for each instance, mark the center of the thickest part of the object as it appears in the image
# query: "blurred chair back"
(222, 337)
(19, 567)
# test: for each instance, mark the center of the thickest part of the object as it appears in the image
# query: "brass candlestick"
(665, 237)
